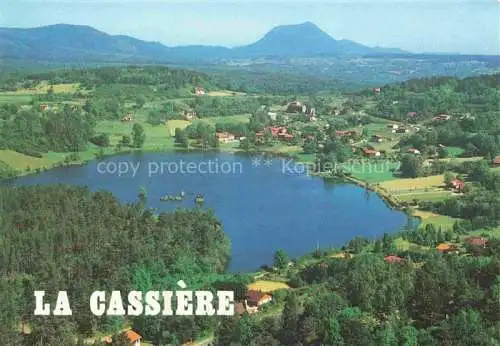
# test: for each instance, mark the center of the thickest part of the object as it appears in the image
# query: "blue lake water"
(263, 205)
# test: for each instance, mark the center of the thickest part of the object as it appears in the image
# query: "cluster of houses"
(457, 185)
(395, 128)
(279, 132)
(447, 248)
(369, 152)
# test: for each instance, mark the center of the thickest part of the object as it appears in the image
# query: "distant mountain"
(304, 39)
(64, 42)
(67, 43)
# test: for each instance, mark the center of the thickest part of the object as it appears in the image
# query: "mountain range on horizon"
(74, 43)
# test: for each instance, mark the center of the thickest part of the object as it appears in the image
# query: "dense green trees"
(32, 132)
(138, 135)
(411, 166)
(66, 238)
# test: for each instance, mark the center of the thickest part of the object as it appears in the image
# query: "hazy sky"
(465, 26)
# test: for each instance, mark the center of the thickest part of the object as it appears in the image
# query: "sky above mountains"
(463, 26)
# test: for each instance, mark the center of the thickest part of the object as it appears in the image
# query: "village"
(412, 160)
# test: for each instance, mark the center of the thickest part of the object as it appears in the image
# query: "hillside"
(67, 43)
(304, 39)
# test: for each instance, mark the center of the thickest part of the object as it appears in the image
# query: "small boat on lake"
(173, 198)
(199, 198)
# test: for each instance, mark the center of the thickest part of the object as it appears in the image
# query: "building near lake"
(225, 137)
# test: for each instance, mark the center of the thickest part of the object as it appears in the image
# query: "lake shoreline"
(390, 200)
(333, 223)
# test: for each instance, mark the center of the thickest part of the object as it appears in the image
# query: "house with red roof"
(477, 241)
(413, 151)
(446, 248)
(257, 298)
(377, 90)
(133, 338)
(457, 184)
(285, 136)
(411, 114)
(371, 152)
(393, 259)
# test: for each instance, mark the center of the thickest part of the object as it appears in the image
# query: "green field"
(371, 171)
(244, 118)
(15, 98)
(157, 137)
(427, 217)
(454, 151)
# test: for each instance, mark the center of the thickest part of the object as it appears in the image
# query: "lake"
(263, 204)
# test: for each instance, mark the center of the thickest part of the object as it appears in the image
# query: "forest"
(67, 238)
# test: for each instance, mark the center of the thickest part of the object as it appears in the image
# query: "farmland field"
(408, 184)
(173, 124)
(267, 286)
(372, 171)
(157, 137)
(20, 161)
(15, 98)
(428, 217)
(244, 118)
(224, 93)
(44, 88)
